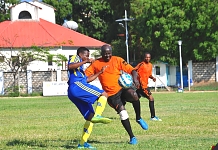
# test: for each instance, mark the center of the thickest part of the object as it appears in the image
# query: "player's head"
(106, 52)
(147, 57)
(83, 53)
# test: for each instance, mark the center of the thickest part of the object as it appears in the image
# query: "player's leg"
(131, 96)
(90, 94)
(151, 107)
(115, 102)
(101, 103)
(88, 126)
(87, 111)
(147, 94)
(124, 117)
(87, 130)
(83, 97)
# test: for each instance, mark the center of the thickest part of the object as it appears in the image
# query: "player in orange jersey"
(144, 70)
(117, 97)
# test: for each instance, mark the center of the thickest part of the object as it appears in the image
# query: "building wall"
(64, 75)
(172, 76)
(47, 12)
(40, 65)
(204, 72)
(37, 80)
(33, 10)
(43, 66)
(8, 81)
(38, 77)
(161, 80)
(36, 9)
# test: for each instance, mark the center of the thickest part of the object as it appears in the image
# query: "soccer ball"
(125, 80)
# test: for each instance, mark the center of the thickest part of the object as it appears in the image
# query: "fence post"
(216, 68)
(58, 74)
(1, 82)
(29, 82)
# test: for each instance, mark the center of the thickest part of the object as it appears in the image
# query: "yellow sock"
(101, 103)
(87, 130)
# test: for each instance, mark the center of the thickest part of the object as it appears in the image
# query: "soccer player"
(144, 70)
(83, 94)
(117, 97)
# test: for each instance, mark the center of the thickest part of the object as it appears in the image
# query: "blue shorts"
(83, 95)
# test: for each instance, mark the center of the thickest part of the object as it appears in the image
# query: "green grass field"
(190, 122)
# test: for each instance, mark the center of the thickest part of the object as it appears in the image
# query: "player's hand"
(154, 79)
(103, 68)
(89, 60)
(137, 84)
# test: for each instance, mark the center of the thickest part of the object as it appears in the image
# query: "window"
(50, 57)
(168, 70)
(157, 69)
(24, 15)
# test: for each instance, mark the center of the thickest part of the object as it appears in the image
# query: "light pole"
(180, 58)
(126, 20)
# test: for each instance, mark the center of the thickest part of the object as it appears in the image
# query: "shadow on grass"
(96, 142)
(69, 144)
(16, 142)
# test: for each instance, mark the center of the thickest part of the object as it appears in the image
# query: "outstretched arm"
(72, 66)
(76, 65)
(93, 77)
(153, 78)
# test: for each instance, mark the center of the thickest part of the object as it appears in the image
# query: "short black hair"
(105, 47)
(82, 50)
(147, 53)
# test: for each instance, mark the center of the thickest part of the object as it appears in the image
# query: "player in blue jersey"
(83, 94)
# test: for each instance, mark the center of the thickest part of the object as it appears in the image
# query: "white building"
(33, 23)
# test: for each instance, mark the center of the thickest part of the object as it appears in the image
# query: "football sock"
(152, 110)
(127, 126)
(101, 103)
(87, 130)
(137, 108)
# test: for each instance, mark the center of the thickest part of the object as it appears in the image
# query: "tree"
(160, 24)
(63, 10)
(118, 8)
(116, 32)
(4, 9)
(202, 35)
(93, 17)
(119, 48)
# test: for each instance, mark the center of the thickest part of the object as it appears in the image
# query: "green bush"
(13, 94)
(32, 94)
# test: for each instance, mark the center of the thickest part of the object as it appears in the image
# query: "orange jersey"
(144, 71)
(109, 78)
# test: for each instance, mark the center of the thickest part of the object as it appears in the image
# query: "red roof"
(26, 33)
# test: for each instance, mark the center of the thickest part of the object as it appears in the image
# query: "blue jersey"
(81, 93)
(78, 73)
